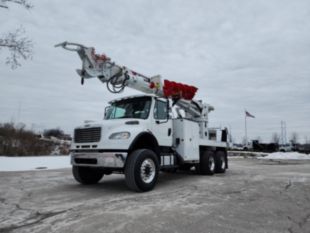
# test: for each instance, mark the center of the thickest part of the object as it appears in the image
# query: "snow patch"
(34, 163)
(287, 156)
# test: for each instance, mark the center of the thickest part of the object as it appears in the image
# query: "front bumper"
(99, 159)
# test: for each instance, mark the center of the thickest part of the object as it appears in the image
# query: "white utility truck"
(163, 130)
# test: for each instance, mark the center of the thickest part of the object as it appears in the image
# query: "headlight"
(120, 135)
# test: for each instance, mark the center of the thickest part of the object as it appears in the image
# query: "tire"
(141, 170)
(220, 162)
(86, 175)
(207, 163)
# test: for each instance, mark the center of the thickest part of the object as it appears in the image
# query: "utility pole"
(283, 132)
(246, 131)
(230, 135)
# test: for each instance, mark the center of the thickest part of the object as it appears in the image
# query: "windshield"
(129, 108)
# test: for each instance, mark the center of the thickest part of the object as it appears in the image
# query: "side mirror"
(107, 111)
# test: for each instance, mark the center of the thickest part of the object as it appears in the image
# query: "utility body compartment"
(186, 138)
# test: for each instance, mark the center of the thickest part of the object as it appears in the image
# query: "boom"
(118, 77)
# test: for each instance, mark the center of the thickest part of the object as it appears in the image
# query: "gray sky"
(241, 54)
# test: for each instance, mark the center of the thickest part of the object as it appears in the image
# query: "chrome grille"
(87, 135)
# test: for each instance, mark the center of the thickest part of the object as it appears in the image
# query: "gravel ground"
(253, 196)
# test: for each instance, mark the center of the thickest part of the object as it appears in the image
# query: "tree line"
(16, 140)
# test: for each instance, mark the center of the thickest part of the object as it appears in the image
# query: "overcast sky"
(241, 54)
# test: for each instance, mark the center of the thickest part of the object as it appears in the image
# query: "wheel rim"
(147, 171)
(222, 162)
(211, 163)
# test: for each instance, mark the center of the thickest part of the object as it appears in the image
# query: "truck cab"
(129, 123)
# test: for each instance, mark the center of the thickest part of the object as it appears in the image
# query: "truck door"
(162, 125)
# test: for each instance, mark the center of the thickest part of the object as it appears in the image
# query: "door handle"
(169, 131)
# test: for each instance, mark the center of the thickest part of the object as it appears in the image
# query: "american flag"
(247, 114)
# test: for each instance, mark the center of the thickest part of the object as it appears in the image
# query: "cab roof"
(131, 97)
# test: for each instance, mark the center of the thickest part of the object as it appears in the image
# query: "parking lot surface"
(252, 196)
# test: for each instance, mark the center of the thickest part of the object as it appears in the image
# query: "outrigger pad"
(179, 90)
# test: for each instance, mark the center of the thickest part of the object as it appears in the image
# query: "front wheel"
(141, 170)
(86, 175)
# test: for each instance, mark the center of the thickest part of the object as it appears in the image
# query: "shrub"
(15, 140)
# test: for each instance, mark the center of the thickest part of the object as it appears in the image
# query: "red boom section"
(179, 90)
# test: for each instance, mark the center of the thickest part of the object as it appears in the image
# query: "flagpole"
(247, 114)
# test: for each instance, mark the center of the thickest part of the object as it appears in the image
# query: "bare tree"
(294, 138)
(18, 45)
(58, 133)
(24, 3)
(258, 138)
(275, 138)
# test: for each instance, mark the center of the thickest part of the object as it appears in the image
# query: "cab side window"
(160, 110)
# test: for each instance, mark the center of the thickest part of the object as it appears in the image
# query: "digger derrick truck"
(164, 129)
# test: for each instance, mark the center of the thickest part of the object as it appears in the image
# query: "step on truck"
(165, 129)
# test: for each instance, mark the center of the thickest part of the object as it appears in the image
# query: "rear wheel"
(86, 175)
(220, 162)
(207, 163)
(141, 170)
